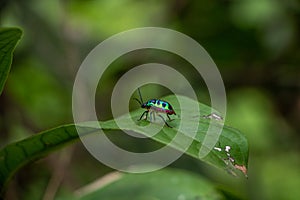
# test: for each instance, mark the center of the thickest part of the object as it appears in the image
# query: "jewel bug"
(155, 106)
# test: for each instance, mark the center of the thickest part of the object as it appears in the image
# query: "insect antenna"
(141, 99)
(138, 100)
(140, 95)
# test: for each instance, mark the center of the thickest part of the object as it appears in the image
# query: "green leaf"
(9, 38)
(229, 137)
(167, 184)
(16, 155)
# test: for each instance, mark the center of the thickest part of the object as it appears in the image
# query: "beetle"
(155, 106)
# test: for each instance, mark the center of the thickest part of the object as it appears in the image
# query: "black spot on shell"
(164, 105)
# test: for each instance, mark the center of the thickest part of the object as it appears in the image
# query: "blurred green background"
(255, 44)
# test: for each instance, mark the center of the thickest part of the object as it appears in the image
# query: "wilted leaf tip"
(242, 168)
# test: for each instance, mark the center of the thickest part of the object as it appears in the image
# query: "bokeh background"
(255, 44)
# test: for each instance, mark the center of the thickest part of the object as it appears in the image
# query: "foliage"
(16, 155)
(23, 152)
(254, 44)
(8, 40)
(177, 184)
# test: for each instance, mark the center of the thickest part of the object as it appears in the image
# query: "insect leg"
(164, 120)
(146, 112)
(169, 117)
(150, 116)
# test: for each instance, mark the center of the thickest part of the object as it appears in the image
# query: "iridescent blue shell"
(159, 106)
